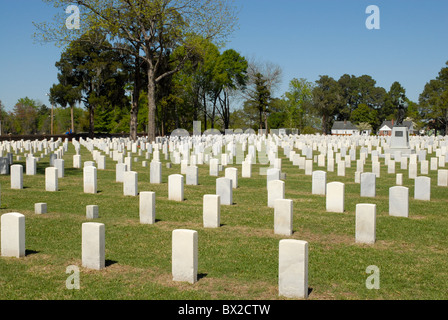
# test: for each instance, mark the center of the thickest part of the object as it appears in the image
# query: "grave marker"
(147, 207)
(335, 197)
(365, 223)
(293, 269)
(283, 215)
(184, 254)
(211, 211)
(13, 235)
(399, 201)
(93, 245)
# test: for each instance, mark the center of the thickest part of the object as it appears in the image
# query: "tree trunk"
(151, 106)
(324, 124)
(266, 123)
(134, 121)
(91, 121)
(213, 114)
(205, 113)
(135, 97)
(162, 123)
(72, 119)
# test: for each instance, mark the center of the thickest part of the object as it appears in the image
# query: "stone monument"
(399, 141)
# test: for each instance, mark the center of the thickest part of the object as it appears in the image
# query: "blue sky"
(306, 38)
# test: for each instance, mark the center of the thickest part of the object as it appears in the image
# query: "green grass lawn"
(239, 260)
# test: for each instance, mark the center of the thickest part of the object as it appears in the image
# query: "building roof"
(390, 125)
(344, 125)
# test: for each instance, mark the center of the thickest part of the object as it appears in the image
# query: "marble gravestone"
(293, 269)
(400, 141)
(184, 255)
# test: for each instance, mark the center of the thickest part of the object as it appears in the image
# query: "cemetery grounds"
(238, 260)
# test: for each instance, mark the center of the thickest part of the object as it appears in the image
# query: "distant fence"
(70, 137)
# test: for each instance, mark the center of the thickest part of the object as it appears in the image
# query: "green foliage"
(91, 72)
(434, 101)
(361, 90)
(327, 100)
(298, 104)
(278, 117)
(363, 113)
(389, 110)
(25, 114)
(261, 100)
(62, 120)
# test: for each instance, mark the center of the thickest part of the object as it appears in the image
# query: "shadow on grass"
(109, 262)
(29, 252)
(201, 275)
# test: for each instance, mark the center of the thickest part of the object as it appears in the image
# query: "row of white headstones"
(293, 254)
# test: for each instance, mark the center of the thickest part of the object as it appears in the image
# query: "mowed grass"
(239, 260)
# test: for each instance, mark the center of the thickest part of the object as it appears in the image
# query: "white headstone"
(40, 208)
(77, 161)
(176, 187)
(308, 167)
(92, 212)
(184, 255)
(399, 201)
(211, 211)
(276, 190)
(442, 178)
(31, 166)
(341, 168)
(365, 223)
(59, 164)
(51, 179)
(246, 169)
(283, 215)
(130, 183)
(422, 188)
(391, 167)
(399, 179)
(214, 167)
(232, 174)
(16, 176)
(93, 245)
(191, 176)
(424, 167)
(412, 170)
(101, 162)
(293, 269)
(319, 182)
(368, 184)
(155, 172)
(120, 169)
(335, 197)
(224, 190)
(13, 235)
(147, 207)
(90, 183)
(272, 174)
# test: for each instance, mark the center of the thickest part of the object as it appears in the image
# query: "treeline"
(225, 91)
(154, 66)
